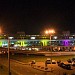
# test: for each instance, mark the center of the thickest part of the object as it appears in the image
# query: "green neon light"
(21, 42)
(0, 43)
(3, 42)
(44, 42)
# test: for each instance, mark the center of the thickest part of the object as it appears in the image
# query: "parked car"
(69, 61)
(58, 61)
(33, 62)
(48, 61)
(53, 62)
(73, 63)
(73, 59)
(60, 64)
(67, 66)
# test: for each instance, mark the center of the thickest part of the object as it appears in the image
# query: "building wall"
(38, 42)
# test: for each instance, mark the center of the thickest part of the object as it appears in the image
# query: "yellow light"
(50, 31)
(46, 32)
(0, 31)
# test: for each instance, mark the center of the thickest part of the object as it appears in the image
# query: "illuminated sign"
(66, 42)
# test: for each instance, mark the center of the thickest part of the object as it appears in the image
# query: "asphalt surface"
(21, 69)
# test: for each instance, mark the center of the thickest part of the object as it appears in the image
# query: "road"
(46, 53)
(21, 69)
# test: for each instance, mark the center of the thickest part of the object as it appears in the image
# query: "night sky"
(34, 16)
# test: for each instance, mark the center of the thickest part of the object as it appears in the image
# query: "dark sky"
(34, 16)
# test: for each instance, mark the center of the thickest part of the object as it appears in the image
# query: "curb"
(45, 69)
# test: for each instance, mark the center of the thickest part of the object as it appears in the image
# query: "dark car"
(59, 61)
(67, 66)
(69, 61)
(60, 64)
(63, 66)
(73, 59)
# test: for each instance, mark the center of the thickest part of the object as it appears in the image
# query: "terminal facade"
(39, 41)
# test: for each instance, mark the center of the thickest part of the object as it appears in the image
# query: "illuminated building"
(22, 40)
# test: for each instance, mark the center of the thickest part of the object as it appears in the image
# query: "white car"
(73, 63)
(53, 62)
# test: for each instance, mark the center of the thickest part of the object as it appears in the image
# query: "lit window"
(70, 37)
(10, 37)
(32, 37)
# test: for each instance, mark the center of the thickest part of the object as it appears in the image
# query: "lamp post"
(50, 32)
(9, 73)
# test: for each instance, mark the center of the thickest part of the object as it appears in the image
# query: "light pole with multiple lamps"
(50, 32)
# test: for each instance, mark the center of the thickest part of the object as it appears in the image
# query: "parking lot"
(54, 68)
(39, 67)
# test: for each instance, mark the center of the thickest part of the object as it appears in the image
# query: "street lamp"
(9, 38)
(50, 32)
(9, 73)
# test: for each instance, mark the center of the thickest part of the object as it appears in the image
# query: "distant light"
(32, 37)
(70, 37)
(55, 37)
(10, 37)
(4, 35)
(15, 45)
(4, 52)
(0, 30)
(36, 49)
(12, 43)
(46, 32)
(51, 31)
(73, 35)
(30, 49)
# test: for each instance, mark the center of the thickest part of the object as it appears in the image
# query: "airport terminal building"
(39, 41)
